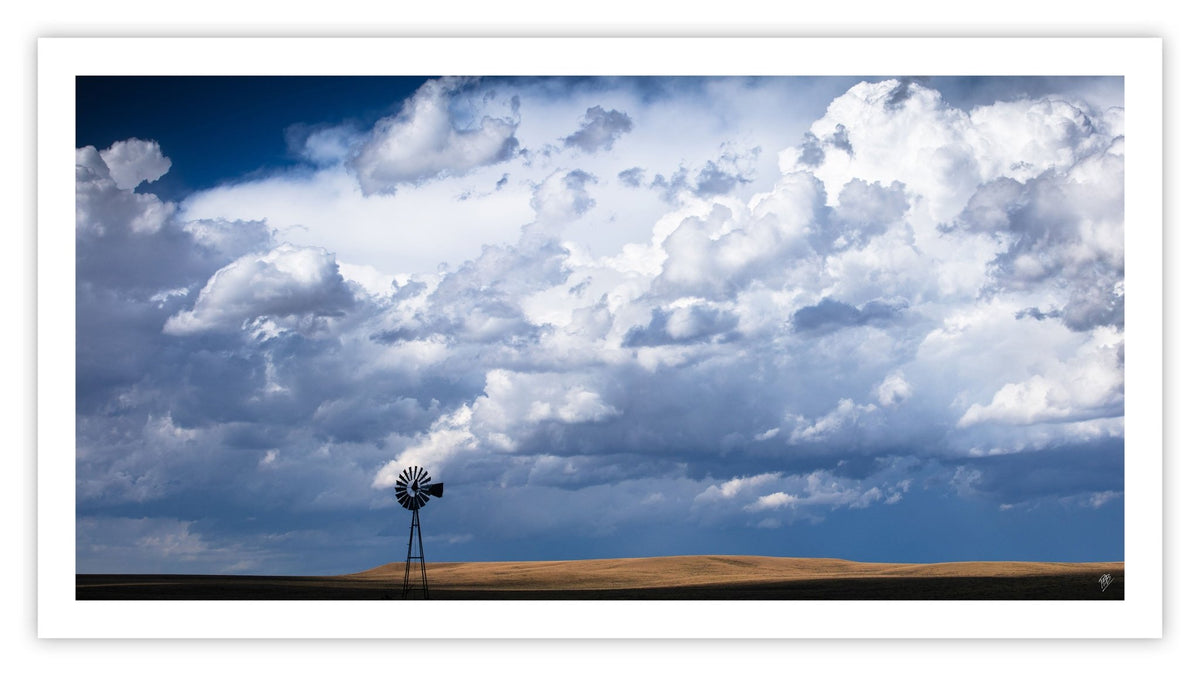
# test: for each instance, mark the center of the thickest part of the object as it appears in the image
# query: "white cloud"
(104, 207)
(412, 230)
(1099, 499)
(847, 413)
(424, 141)
(893, 390)
(447, 437)
(512, 400)
(735, 486)
(1091, 385)
(286, 284)
(789, 497)
(133, 161)
(902, 131)
(269, 458)
(562, 197)
(775, 500)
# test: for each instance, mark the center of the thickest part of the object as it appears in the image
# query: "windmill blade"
(414, 488)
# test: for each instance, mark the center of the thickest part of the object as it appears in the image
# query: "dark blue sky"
(221, 128)
(869, 318)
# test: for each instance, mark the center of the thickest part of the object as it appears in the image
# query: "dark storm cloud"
(1066, 471)
(599, 130)
(367, 418)
(831, 315)
(136, 266)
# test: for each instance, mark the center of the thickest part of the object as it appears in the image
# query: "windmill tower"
(412, 492)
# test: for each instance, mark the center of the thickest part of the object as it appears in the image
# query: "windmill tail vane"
(413, 491)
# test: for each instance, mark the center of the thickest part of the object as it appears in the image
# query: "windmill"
(412, 492)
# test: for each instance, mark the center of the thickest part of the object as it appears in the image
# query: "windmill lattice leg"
(409, 583)
(421, 547)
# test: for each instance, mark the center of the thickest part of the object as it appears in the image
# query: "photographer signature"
(1105, 580)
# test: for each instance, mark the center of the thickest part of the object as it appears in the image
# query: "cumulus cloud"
(599, 130)
(511, 399)
(425, 140)
(865, 210)
(133, 161)
(846, 414)
(562, 197)
(894, 389)
(323, 145)
(1090, 386)
(103, 202)
(288, 284)
(1059, 226)
(901, 130)
(791, 497)
(681, 325)
(734, 168)
(773, 501)
(714, 253)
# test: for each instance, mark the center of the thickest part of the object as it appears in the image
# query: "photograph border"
(1137, 60)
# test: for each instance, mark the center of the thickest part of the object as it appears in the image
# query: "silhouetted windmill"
(412, 492)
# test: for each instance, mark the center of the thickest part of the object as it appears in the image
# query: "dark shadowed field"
(673, 577)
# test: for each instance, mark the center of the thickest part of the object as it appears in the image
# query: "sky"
(873, 318)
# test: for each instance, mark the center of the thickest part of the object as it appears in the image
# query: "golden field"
(673, 577)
